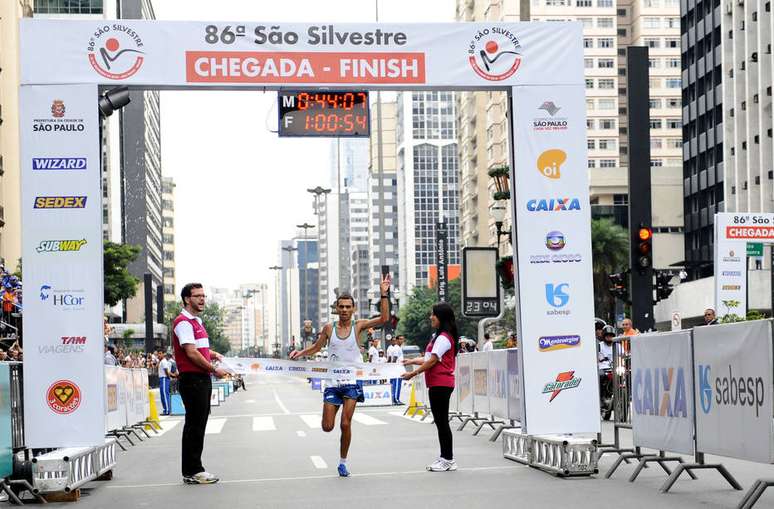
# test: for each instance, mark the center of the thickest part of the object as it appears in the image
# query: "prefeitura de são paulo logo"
(115, 51)
(494, 53)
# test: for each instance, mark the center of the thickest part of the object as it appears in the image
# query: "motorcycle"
(606, 388)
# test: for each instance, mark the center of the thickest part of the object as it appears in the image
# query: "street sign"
(677, 321)
(754, 249)
(480, 286)
(441, 257)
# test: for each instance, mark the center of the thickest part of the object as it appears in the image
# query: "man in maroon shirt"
(193, 354)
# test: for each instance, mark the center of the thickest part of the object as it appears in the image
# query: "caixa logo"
(660, 391)
(730, 390)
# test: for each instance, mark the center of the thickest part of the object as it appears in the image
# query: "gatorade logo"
(550, 162)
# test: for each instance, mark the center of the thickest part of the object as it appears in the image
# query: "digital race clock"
(326, 113)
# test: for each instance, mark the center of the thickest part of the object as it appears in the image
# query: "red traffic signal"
(644, 248)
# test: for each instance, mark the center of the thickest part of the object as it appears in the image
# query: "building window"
(620, 199)
(652, 42)
(672, 22)
(655, 143)
(605, 63)
(655, 123)
(607, 144)
(604, 22)
(673, 83)
(656, 163)
(654, 82)
(655, 103)
(606, 104)
(605, 42)
(606, 83)
(587, 22)
(592, 163)
(651, 22)
(588, 63)
(607, 163)
(589, 83)
(583, 3)
(588, 42)
(674, 123)
(672, 42)
(674, 143)
(68, 7)
(673, 102)
(673, 63)
(607, 123)
(589, 123)
(654, 63)
(604, 3)
(591, 144)
(651, 3)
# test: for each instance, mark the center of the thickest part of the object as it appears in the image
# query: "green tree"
(212, 318)
(610, 254)
(119, 283)
(415, 314)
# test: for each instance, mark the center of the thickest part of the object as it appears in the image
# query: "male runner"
(342, 337)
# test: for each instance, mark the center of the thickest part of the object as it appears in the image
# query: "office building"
(168, 238)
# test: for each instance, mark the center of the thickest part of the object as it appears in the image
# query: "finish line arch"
(64, 64)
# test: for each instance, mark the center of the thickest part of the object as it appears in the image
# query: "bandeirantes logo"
(550, 162)
(564, 381)
(555, 240)
(60, 202)
(551, 343)
(58, 163)
(660, 391)
(493, 53)
(66, 344)
(557, 297)
(58, 246)
(58, 122)
(63, 397)
(553, 204)
(731, 391)
(114, 51)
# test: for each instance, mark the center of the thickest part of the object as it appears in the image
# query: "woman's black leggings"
(439, 404)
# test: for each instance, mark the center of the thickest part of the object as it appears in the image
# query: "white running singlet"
(344, 350)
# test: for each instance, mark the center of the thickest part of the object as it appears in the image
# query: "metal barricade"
(17, 406)
(561, 455)
(622, 396)
(69, 468)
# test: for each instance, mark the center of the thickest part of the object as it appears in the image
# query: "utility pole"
(289, 250)
(277, 344)
(305, 311)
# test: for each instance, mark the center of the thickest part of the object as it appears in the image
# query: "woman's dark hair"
(447, 323)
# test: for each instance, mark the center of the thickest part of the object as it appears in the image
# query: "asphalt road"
(269, 451)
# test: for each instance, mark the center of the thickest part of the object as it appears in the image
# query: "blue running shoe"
(343, 472)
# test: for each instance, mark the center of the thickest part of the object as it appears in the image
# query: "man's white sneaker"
(432, 467)
(441, 465)
(201, 478)
(452, 465)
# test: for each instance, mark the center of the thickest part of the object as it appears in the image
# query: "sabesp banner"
(64, 392)
(411, 56)
(733, 366)
(551, 206)
(732, 233)
(662, 391)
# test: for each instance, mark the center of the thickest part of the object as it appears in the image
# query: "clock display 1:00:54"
(332, 122)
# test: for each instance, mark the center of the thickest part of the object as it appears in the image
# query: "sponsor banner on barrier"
(662, 395)
(480, 361)
(6, 425)
(378, 395)
(64, 386)
(497, 383)
(324, 370)
(182, 53)
(733, 366)
(465, 383)
(514, 385)
(551, 206)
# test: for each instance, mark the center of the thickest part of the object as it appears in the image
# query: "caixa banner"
(733, 366)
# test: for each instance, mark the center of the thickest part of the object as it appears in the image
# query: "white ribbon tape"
(306, 369)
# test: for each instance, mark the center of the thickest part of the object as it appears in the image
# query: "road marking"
(313, 421)
(318, 462)
(413, 419)
(313, 477)
(166, 426)
(249, 401)
(214, 426)
(279, 402)
(264, 424)
(367, 420)
(301, 433)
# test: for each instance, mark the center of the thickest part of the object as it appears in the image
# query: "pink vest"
(442, 374)
(184, 364)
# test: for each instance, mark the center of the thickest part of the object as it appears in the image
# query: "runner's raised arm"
(384, 307)
(316, 347)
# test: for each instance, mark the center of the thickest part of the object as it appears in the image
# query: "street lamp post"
(277, 344)
(289, 250)
(305, 310)
(498, 211)
(318, 193)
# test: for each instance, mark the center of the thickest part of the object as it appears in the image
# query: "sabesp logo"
(550, 162)
(114, 51)
(63, 397)
(553, 204)
(60, 202)
(493, 53)
(564, 381)
(660, 391)
(557, 297)
(730, 390)
(58, 246)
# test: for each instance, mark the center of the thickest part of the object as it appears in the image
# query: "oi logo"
(705, 388)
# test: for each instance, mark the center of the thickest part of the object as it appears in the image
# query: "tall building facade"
(355, 226)
(10, 163)
(428, 182)
(168, 237)
(609, 26)
(308, 280)
(326, 209)
(383, 198)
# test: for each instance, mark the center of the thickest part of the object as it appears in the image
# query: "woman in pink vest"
(438, 366)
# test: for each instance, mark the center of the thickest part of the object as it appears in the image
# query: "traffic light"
(394, 322)
(644, 249)
(663, 285)
(619, 286)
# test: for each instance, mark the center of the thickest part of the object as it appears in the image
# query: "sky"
(240, 188)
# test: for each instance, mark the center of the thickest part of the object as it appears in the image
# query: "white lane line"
(214, 426)
(301, 433)
(318, 462)
(264, 424)
(429, 420)
(367, 420)
(166, 426)
(279, 402)
(249, 401)
(312, 477)
(313, 421)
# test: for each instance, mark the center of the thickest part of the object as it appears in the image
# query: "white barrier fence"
(126, 396)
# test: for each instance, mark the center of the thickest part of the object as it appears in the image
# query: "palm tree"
(610, 254)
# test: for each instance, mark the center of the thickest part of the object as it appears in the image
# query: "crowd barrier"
(703, 391)
(621, 399)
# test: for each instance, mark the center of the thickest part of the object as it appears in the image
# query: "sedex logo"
(660, 391)
(730, 390)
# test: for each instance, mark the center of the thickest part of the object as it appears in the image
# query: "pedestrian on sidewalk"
(395, 355)
(165, 379)
(488, 345)
(438, 366)
(193, 357)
